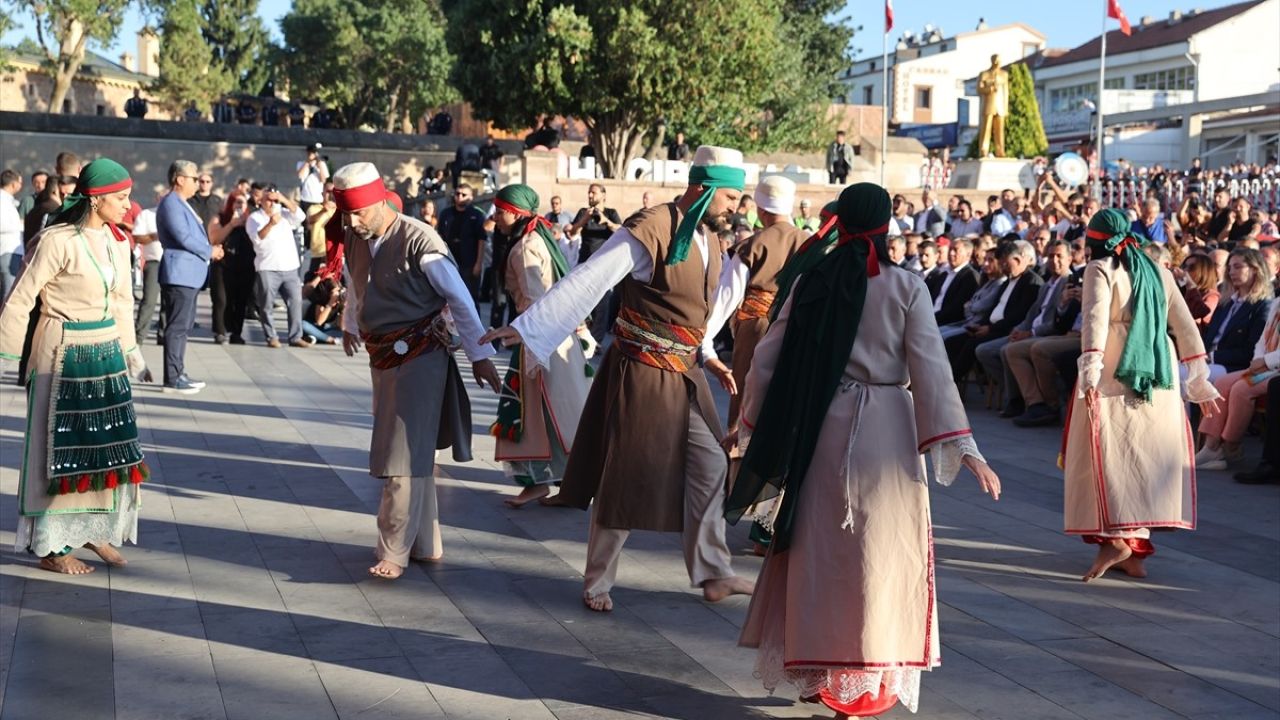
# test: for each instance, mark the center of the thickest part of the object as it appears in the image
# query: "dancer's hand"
(350, 343)
(508, 335)
(485, 372)
(987, 477)
(722, 374)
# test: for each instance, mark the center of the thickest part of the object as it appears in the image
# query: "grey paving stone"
(61, 668)
(378, 689)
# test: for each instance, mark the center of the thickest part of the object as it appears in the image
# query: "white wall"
(1147, 147)
(1242, 55)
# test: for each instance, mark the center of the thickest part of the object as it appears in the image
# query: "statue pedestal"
(991, 173)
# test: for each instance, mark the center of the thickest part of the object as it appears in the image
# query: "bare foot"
(67, 565)
(600, 602)
(719, 589)
(552, 501)
(386, 570)
(1132, 567)
(1109, 554)
(109, 554)
(528, 495)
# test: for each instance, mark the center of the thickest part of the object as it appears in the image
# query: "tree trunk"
(70, 57)
(617, 140)
(393, 104)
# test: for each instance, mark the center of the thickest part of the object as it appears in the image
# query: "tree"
(1023, 130)
(628, 68)
(373, 61)
(187, 71)
(64, 29)
(237, 40)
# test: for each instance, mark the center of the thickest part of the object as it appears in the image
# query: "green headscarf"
(807, 257)
(100, 177)
(826, 309)
(711, 178)
(523, 201)
(1144, 362)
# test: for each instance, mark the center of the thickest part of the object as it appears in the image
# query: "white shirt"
(942, 291)
(1047, 305)
(278, 250)
(547, 322)
(734, 276)
(1002, 224)
(444, 277)
(10, 224)
(998, 313)
(311, 188)
(145, 224)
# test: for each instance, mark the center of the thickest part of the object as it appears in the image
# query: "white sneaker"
(1208, 454)
(1216, 464)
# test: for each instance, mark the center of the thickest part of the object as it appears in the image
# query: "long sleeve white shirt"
(546, 323)
(278, 250)
(734, 276)
(443, 276)
(10, 224)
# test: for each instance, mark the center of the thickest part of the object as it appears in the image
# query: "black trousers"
(179, 304)
(218, 296)
(239, 285)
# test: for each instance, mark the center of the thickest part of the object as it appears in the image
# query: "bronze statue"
(993, 88)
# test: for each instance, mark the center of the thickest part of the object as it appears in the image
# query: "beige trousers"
(408, 520)
(706, 555)
(1031, 363)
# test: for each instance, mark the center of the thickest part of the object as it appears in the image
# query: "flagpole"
(884, 125)
(1102, 69)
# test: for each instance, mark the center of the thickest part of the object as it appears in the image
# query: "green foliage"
(738, 73)
(187, 70)
(64, 28)
(374, 61)
(1023, 129)
(238, 42)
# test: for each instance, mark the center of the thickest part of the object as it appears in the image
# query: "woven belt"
(393, 349)
(657, 344)
(755, 304)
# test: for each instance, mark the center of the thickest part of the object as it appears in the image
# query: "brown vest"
(766, 252)
(392, 291)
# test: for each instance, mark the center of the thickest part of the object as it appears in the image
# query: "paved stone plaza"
(248, 597)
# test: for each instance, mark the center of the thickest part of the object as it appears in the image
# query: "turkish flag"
(888, 15)
(1114, 11)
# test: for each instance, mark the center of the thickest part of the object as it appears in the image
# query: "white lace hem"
(948, 458)
(844, 684)
(54, 533)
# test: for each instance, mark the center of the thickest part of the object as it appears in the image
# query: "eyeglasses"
(206, 180)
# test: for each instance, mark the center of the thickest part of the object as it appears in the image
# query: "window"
(924, 98)
(867, 95)
(1183, 78)
(873, 64)
(1071, 98)
(1114, 83)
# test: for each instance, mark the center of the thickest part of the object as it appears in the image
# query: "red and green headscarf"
(522, 201)
(100, 177)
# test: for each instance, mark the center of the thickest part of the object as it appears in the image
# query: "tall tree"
(238, 41)
(187, 72)
(65, 28)
(626, 67)
(371, 60)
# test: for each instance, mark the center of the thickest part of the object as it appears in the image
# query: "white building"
(1199, 82)
(927, 72)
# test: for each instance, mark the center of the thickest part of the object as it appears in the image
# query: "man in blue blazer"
(183, 272)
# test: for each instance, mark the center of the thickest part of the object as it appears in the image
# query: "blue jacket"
(185, 242)
(1235, 349)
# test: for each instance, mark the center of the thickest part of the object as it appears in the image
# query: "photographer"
(312, 174)
(270, 229)
(595, 223)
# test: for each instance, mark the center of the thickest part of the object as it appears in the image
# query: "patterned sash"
(755, 304)
(93, 432)
(655, 343)
(393, 349)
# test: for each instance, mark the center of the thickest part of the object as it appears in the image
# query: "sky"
(1065, 24)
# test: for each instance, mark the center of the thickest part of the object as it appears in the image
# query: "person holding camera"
(312, 174)
(270, 229)
(595, 223)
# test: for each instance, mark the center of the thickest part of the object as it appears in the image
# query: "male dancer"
(401, 278)
(647, 448)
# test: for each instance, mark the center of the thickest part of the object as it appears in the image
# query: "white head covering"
(775, 194)
(708, 155)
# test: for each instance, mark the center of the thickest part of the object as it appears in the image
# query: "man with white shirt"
(10, 227)
(957, 284)
(144, 235)
(1006, 220)
(931, 219)
(270, 229)
(400, 278)
(648, 446)
(312, 174)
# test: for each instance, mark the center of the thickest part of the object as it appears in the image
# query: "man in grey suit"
(183, 272)
(1040, 321)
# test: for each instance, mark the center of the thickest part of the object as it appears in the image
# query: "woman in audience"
(1237, 323)
(1223, 432)
(1198, 280)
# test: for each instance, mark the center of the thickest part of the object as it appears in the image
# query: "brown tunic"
(764, 255)
(422, 405)
(629, 453)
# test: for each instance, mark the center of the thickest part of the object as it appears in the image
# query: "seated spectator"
(982, 302)
(956, 283)
(927, 252)
(1241, 389)
(1198, 280)
(1015, 302)
(1038, 365)
(1268, 469)
(1238, 322)
(983, 246)
(964, 223)
(321, 321)
(1151, 223)
(897, 247)
(911, 252)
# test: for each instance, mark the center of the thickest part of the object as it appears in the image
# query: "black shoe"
(1038, 415)
(1264, 474)
(197, 384)
(1013, 409)
(236, 340)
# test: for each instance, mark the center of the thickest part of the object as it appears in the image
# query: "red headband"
(360, 197)
(538, 220)
(108, 189)
(1102, 235)
(873, 260)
